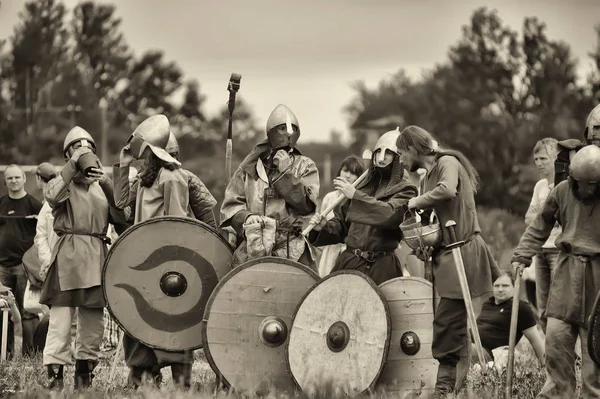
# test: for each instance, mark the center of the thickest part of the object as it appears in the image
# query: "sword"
(464, 286)
(514, 318)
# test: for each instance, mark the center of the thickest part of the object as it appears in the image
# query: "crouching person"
(82, 207)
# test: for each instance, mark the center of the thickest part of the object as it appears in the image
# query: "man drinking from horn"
(272, 194)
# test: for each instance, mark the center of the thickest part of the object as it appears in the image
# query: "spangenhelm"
(282, 115)
(172, 145)
(386, 142)
(78, 134)
(584, 175)
(152, 133)
(593, 119)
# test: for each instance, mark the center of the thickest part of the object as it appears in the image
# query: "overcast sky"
(305, 53)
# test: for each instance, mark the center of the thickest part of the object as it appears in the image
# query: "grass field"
(26, 377)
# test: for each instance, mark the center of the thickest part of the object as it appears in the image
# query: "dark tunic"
(369, 223)
(448, 192)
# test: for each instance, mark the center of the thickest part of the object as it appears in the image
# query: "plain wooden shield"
(410, 368)
(340, 335)
(158, 276)
(247, 322)
(593, 339)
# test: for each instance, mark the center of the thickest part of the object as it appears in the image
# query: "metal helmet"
(584, 175)
(282, 115)
(77, 134)
(172, 145)
(386, 142)
(593, 119)
(152, 133)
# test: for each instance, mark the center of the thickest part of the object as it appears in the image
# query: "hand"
(4, 304)
(97, 174)
(423, 254)
(253, 219)
(282, 160)
(412, 203)
(515, 266)
(125, 157)
(79, 152)
(318, 221)
(344, 187)
(4, 290)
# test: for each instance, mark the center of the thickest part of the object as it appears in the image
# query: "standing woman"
(162, 190)
(449, 189)
(82, 208)
(350, 169)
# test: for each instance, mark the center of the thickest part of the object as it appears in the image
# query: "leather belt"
(369, 256)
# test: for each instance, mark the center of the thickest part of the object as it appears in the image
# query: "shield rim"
(388, 316)
(594, 325)
(246, 265)
(130, 230)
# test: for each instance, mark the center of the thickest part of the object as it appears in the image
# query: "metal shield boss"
(594, 332)
(410, 368)
(340, 335)
(159, 275)
(247, 322)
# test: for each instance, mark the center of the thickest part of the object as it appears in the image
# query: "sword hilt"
(451, 230)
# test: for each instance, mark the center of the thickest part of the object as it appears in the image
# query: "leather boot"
(182, 375)
(446, 379)
(83, 373)
(138, 375)
(55, 375)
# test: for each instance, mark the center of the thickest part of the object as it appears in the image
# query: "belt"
(102, 237)
(369, 256)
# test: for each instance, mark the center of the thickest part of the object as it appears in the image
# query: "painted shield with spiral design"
(340, 336)
(158, 276)
(247, 323)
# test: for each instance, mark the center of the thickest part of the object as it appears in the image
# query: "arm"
(57, 189)
(234, 209)
(201, 200)
(534, 205)
(335, 230)
(447, 186)
(300, 193)
(533, 336)
(122, 195)
(176, 196)
(116, 216)
(367, 210)
(41, 242)
(538, 231)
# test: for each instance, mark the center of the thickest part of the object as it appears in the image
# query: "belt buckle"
(366, 255)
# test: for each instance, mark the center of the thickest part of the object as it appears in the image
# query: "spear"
(233, 86)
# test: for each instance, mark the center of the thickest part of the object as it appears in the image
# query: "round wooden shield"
(247, 322)
(340, 335)
(594, 332)
(410, 367)
(158, 276)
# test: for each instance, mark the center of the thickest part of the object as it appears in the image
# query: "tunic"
(290, 198)
(576, 280)
(331, 252)
(447, 190)
(81, 214)
(369, 223)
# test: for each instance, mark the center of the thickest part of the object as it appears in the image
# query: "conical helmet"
(282, 115)
(386, 142)
(77, 134)
(152, 133)
(593, 119)
(172, 145)
(585, 165)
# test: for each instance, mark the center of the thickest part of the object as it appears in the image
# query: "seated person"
(494, 321)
